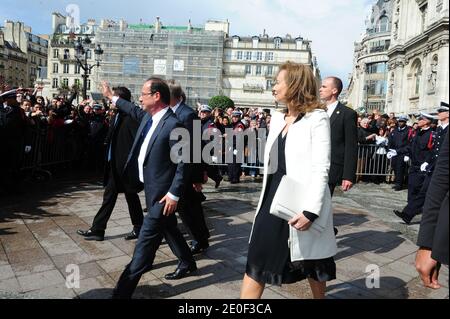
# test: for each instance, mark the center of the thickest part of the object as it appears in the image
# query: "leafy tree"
(221, 101)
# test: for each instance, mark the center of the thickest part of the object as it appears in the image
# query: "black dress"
(268, 258)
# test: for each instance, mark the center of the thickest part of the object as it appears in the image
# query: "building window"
(55, 53)
(89, 54)
(376, 68)
(248, 55)
(269, 56)
(258, 70)
(55, 68)
(383, 24)
(259, 56)
(269, 85)
(66, 68)
(248, 69)
(77, 83)
(66, 54)
(55, 84)
(277, 43)
(270, 70)
(77, 69)
(65, 82)
(239, 55)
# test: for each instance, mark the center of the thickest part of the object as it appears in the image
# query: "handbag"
(289, 201)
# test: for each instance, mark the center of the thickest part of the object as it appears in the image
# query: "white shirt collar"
(175, 108)
(158, 116)
(331, 108)
(444, 126)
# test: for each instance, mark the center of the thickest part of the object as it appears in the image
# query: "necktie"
(144, 133)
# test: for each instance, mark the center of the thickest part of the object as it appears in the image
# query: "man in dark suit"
(190, 205)
(152, 162)
(344, 136)
(433, 233)
(119, 140)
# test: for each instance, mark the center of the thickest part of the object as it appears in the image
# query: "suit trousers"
(192, 215)
(156, 226)
(109, 201)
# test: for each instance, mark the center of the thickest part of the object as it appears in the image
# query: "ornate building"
(251, 63)
(419, 56)
(368, 84)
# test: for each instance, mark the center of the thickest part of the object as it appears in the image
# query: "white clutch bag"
(289, 201)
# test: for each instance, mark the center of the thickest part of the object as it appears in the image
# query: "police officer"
(234, 169)
(98, 129)
(441, 131)
(398, 147)
(420, 150)
(212, 171)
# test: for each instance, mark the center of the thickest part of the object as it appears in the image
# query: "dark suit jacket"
(187, 116)
(120, 138)
(433, 231)
(344, 145)
(161, 175)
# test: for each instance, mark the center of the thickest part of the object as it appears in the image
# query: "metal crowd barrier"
(49, 146)
(372, 161)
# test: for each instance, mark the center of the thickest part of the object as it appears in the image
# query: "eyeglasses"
(151, 93)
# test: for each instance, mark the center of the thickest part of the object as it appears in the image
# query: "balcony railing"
(253, 88)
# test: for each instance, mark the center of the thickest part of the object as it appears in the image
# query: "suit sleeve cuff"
(312, 217)
(173, 197)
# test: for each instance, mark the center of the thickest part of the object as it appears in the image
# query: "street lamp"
(81, 54)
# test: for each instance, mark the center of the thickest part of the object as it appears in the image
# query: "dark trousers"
(417, 191)
(234, 172)
(109, 201)
(214, 173)
(332, 186)
(399, 167)
(155, 227)
(191, 213)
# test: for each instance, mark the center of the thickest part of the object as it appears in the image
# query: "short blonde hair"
(302, 86)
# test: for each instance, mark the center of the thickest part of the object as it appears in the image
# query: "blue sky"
(332, 25)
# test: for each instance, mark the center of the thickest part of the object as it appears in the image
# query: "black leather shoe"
(335, 231)
(218, 181)
(132, 235)
(402, 215)
(181, 272)
(91, 235)
(197, 248)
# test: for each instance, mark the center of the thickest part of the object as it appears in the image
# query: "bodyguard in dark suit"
(433, 233)
(344, 136)
(152, 162)
(190, 205)
(120, 138)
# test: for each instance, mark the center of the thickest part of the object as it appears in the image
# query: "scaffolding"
(191, 56)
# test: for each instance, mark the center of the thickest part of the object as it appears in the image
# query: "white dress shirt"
(175, 108)
(331, 108)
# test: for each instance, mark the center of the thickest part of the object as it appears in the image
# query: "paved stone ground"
(38, 241)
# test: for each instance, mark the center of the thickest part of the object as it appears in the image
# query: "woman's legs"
(318, 288)
(251, 289)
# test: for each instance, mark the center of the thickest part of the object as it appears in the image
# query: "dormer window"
(277, 42)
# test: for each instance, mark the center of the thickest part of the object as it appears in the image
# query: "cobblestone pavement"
(38, 241)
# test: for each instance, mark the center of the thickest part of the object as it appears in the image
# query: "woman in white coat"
(298, 146)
